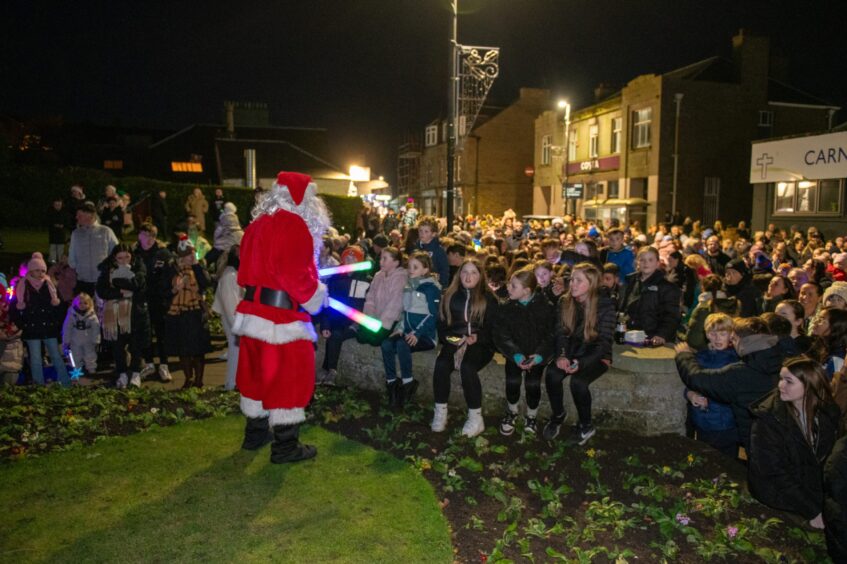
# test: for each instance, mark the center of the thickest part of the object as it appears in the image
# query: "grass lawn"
(24, 240)
(187, 493)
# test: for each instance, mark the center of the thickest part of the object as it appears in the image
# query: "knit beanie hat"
(37, 262)
(739, 266)
(837, 289)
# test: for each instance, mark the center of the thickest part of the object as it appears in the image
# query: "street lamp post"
(451, 113)
(567, 148)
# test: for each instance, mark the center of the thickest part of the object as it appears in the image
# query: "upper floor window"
(572, 145)
(431, 138)
(593, 141)
(545, 149)
(641, 120)
(617, 124)
(765, 118)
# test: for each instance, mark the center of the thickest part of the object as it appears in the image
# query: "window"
(616, 135)
(641, 127)
(444, 132)
(113, 165)
(545, 149)
(614, 191)
(593, 138)
(638, 188)
(186, 167)
(572, 145)
(765, 118)
(431, 136)
(808, 197)
(457, 170)
(829, 197)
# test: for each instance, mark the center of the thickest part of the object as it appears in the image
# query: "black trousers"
(580, 380)
(475, 359)
(119, 348)
(531, 381)
(333, 346)
(157, 321)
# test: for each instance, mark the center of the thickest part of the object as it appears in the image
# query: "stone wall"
(642, 391)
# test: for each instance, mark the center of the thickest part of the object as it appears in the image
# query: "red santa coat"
(276, 364)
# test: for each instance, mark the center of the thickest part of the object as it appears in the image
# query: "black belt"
(268, 297)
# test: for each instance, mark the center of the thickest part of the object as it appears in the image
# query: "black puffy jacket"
(653, 305)
(784, 470)
(835, 501)
(461, 326)
(749, 296)
(738, 384)
(573, 346)
(526, 329)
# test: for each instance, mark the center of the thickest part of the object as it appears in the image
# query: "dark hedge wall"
(26, 194)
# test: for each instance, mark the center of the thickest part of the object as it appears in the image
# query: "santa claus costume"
(276, 365)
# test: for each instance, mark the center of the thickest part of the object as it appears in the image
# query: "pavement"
(213, 376)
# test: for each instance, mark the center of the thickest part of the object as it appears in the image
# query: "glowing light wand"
(366, 321)
(345, 268)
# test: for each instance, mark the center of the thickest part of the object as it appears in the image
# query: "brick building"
(490, 163)
(623, 149)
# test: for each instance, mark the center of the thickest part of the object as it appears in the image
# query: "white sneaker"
(474, 425)
(147, 370)
(122, 380)
(439, 418)
(165, 373)
(135, 381)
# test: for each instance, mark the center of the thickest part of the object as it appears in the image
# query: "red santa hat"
(296, 183)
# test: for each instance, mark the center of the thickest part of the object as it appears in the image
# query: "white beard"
(312, 209)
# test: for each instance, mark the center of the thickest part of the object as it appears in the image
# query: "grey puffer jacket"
(90, 245)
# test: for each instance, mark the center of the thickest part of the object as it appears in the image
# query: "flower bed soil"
(621, 497)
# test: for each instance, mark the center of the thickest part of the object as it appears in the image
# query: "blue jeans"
(397, 347)
(35, 366)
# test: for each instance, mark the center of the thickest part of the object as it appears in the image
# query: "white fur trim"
(314, 304)
(252, 408)
(274, 333)
(287, 416)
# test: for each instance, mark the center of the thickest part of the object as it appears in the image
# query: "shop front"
(800, 181)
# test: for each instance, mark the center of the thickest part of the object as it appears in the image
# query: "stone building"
(674, 141)
(491, 161)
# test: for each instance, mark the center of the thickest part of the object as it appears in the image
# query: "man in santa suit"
(276, 364)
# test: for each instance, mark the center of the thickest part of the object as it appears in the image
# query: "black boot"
(257, 433)
(407, 392)
(394, 393)
(286, 446)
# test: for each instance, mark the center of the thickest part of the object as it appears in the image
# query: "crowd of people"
(128, 291)
(758, 319)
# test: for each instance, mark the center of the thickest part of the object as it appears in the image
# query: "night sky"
(370, 70)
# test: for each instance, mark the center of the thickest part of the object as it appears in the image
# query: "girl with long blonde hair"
(583, 350)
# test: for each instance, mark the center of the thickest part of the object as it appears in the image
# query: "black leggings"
(333, 346)
(475, 359)
(532, 384)
(119, 347)
(580, 380)
(157, 323)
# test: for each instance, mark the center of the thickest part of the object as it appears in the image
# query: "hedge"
(26, 193)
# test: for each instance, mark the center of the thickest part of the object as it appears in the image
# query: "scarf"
(117, 318)
(188, 298)
(36, 284)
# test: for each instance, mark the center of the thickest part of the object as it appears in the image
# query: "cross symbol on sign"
(763, 162)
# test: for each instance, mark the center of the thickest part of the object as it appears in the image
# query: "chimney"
(229, 108)
(751, 55)
(603, 91)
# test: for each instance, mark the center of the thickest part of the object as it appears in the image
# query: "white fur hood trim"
(274, 333)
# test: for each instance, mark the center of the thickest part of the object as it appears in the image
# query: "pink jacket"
(385, 297)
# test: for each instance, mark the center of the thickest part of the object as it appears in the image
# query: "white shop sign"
(802, 158)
